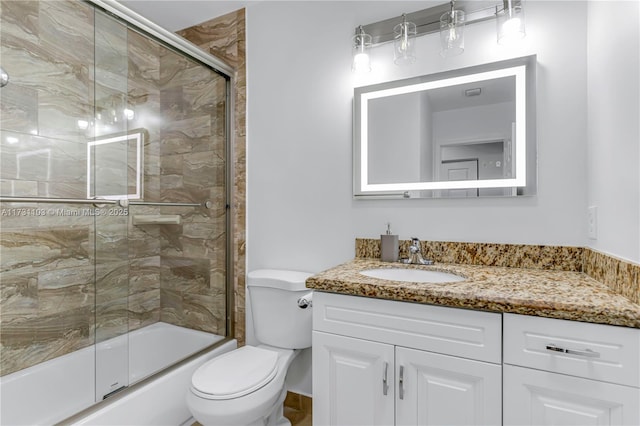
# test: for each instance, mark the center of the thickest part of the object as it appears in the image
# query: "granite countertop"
(553, 294)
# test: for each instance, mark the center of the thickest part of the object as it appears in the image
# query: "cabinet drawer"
(594, 351)
(458, 332)
(533, 397)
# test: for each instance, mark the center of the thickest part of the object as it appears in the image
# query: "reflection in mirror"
(107, 157)
(463, 133)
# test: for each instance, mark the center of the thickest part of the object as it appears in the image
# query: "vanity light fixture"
(404, 51)
(510, 21)
(449, 19)
(361, 44)
(452, 32)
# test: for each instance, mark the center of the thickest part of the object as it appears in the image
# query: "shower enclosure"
(114, 197)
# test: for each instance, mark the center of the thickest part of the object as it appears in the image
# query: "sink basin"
(412, 275)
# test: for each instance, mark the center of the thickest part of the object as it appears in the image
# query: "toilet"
(247, 386)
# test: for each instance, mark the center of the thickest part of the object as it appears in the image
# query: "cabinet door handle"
(401, 382)
(385, 385)
(586, 353)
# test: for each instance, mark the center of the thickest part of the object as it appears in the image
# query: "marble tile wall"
(224, 37)
(69, 278)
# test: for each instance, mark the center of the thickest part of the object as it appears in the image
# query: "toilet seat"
(235, 374)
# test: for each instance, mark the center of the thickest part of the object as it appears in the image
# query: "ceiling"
(175, 15)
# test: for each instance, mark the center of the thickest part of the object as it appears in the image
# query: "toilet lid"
(235, 373)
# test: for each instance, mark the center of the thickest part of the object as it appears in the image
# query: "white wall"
(613, 126)
(300, 209)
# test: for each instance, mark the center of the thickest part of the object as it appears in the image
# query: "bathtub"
(56, 389)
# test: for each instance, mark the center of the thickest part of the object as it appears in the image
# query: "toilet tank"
(277, 319)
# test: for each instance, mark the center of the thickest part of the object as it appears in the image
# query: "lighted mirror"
(114, 166)
(462, 133)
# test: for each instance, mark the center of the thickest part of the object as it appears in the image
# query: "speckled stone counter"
(553, 294)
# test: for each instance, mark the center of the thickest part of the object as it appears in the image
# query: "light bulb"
(361, 62)
(511, 25)
(511, 31)
(361, 42)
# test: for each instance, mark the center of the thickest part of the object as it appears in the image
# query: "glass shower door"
(95, 109)
(114, 155)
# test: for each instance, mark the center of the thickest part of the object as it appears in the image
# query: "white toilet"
(246, 386)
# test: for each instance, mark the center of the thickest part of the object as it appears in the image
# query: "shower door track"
(123, 202)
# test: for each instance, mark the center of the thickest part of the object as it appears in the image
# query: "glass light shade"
(452, 33)
(511, 24)
(404, 51)
(361, 62)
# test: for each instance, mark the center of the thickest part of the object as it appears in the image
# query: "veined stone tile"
(143, 240)
(111, 319)
(144, 59)
(53, 336)
(171, 164)
(184, 194)
(18, 295)
(171, 182)
(144, 275)
(18, 104)
(205, 313)
(62, 290)
(13, 188)
(111, 281)
(66, 30)
(185, 275)
(203, 169)
(144, 308)
(19, 21)
(111, 238)
(33, 250)
(171, 310)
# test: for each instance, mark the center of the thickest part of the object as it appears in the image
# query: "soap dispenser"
(389, 246)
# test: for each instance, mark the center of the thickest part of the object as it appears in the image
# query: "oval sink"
(412, 275)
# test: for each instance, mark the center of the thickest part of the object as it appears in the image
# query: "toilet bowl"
(215, 398)
(247, 386)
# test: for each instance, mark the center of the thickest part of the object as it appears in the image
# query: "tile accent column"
(224, 37)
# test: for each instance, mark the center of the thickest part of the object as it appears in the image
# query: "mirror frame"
(525, 180)
(136, 136)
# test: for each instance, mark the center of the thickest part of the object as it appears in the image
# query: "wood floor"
(297, 408)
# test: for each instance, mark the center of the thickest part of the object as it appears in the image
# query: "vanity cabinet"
(561, 372)
(380, 362)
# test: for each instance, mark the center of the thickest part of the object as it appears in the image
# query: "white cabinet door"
(434, 389)
(353, 381)
(533, 397)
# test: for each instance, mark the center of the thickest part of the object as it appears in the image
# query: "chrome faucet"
(415, 254)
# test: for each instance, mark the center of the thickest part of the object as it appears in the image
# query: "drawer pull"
(385, 386)
(586, 353)
(401, 382)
